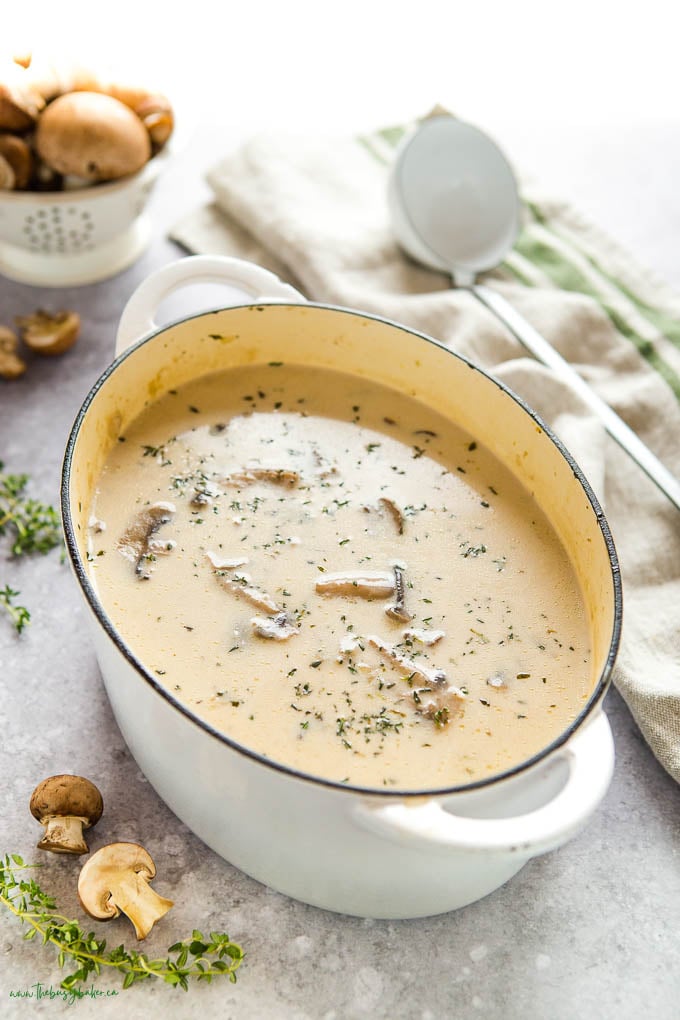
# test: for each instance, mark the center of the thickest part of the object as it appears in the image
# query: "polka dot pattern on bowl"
(59, 229)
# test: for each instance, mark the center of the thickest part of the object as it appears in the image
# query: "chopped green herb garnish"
(200, 957)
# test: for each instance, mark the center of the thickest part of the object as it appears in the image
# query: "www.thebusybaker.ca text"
(68, 995)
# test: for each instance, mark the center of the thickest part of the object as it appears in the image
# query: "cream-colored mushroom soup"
(340, 579)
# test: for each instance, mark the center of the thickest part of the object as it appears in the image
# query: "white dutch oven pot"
(358, 851)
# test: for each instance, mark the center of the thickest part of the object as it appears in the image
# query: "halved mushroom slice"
(395, 513)
(241, 584)
(423, 636)
(432, 694)
(225, 563)
(397, 610)
(367, 584)
(276, 628)
(66, 805)
(430, 677)
(257, 473)
(116, 878)
(137, 543)
(439, 705)
(386, 505)
(49, 332)
(11, 365)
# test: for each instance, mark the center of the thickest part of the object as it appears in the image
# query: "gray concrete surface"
(590, 930)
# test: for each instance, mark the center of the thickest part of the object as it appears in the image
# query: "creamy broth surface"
(340, 579)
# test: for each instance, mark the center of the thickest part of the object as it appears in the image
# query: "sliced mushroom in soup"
(350, 574)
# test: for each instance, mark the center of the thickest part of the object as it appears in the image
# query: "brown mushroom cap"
(67, 795)
(8, 178)
(17, 154)
(65, 805)
(20, 103)
(91, 135)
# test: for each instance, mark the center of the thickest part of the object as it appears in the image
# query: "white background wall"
(583, 94)
(363, 62)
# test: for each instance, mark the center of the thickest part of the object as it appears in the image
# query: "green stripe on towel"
(659, 318)
(567, 276)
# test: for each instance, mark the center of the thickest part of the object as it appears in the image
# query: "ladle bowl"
(455, 206)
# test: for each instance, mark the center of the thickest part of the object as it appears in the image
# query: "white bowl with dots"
(68, 238)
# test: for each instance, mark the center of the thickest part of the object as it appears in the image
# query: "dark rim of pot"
(92, 598)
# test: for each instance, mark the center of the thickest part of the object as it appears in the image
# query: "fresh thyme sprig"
(19, 615)
(30, 526)
(200, 957)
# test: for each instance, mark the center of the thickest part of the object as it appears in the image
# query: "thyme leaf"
(19, 615)
(30, 527)
(199, 957)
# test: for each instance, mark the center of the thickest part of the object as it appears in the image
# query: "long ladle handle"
(544, 352)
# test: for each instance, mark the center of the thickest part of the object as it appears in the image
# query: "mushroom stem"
(397, 609)
(394, 512)
(116, 879)
(241, 584)
(137, 543)
(65, 805)
(63, 834)
(429, 676)
(275, 628)
(133, 895)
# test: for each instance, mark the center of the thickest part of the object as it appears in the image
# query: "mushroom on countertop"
(49, 333)
(93, 136)
(66, 805)
(116, 878)
(11, 365)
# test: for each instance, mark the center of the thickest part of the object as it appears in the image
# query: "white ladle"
(455, 206)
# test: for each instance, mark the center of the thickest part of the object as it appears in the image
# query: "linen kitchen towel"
(316, 214)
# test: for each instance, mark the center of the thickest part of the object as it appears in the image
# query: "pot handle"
(259, 284)
(589, 756)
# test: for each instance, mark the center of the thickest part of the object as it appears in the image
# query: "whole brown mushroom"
(66, 805)
(92, 136)
(49, 77)
(8, 178)
(16, 152)
(20, 102)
